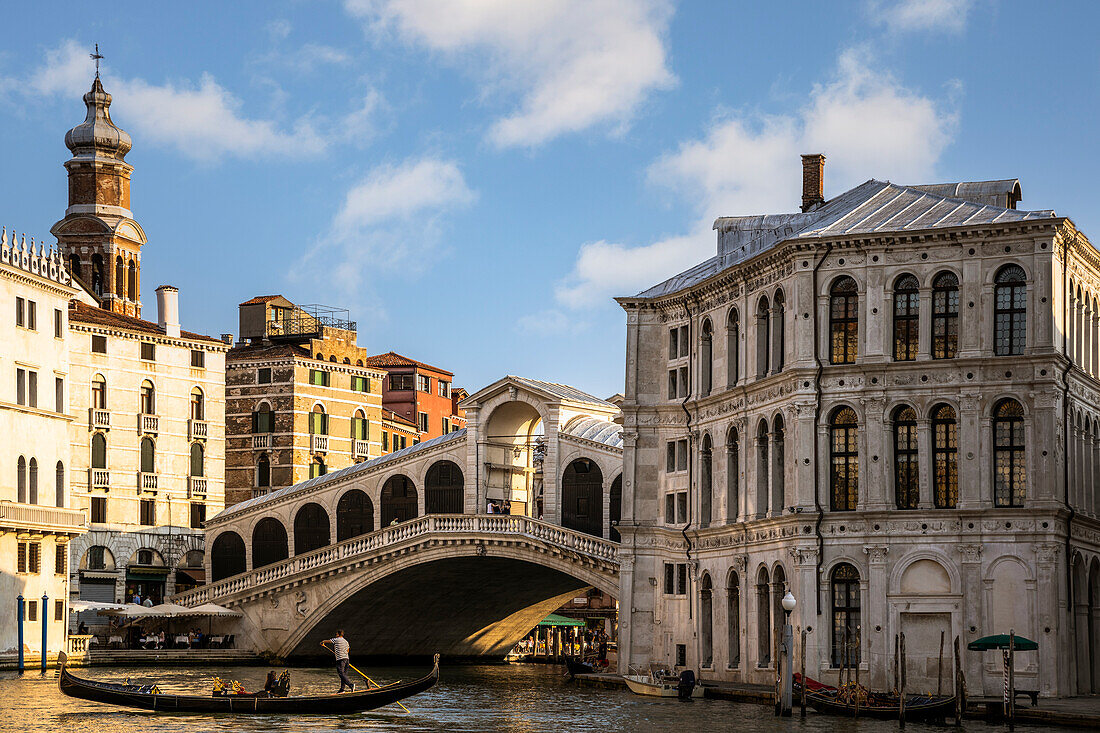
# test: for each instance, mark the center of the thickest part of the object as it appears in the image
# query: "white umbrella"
(127, 609)
(171, 610)
(213, 609)
(79, 606)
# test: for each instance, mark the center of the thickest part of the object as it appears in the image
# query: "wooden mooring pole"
(958, 685)
(802, 663)
(939, 671)
(901, 669)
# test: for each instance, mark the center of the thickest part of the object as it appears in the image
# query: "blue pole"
(45, 618)
(19, 613)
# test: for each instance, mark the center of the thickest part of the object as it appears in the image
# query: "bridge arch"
(354, 515)
(582, 497)
(311, 528)
(398, 500)
(269, 542)
(443, 488)
(227, 556)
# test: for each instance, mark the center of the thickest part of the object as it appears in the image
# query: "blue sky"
(476, 179)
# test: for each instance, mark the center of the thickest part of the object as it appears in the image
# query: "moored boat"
(657, 684)
(882, 706)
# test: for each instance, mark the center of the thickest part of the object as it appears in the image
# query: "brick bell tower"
(101, 241)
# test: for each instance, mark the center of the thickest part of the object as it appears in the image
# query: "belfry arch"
(515, 447)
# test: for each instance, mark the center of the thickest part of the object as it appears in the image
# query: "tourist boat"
(656, 684)
(151, 698)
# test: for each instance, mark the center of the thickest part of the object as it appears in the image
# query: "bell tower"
(98, 235)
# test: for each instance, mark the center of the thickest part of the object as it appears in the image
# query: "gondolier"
(342, 649)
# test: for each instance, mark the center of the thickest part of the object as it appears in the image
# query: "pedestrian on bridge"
(342, 649)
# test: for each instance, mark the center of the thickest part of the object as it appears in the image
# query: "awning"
(146, 572)
(213, 609)
(96, 575)
(83, 605)
(196, 575)
(556, 620)
(1000, 641)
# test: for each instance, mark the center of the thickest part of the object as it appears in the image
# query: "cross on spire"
(96, 57)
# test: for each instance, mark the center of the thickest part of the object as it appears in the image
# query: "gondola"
(150, 698)
(884, 707)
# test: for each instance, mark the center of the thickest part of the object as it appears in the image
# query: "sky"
(476, 180)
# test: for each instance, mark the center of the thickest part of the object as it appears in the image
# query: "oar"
(368, 679)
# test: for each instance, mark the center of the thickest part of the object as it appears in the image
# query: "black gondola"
(133, 696)
(885, 707)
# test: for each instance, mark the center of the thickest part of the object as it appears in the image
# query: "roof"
(84, 313)
(394, 417)
(251, 352)
(393, 359)
(592, 428)
(874, 207)
(563, 391)
(262, 299)
(340, 474)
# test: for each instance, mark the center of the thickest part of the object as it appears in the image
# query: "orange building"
(419, 393)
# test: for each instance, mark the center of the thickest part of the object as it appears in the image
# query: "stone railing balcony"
(318, 444)
(148, 423)
(198, 430)
(362, 448)
(196, 487)
(147, 481)
(261, 441)
(99, 419)
(99, 478)
(78, 644)
(41, 518)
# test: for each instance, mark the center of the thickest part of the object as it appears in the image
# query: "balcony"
(261, 441)
(99, 419)
(147, 481)
(318, 444)
(99, 478)
(196, 487)
(148, 424)
(198, 430)
(41, 518)
(362, 448)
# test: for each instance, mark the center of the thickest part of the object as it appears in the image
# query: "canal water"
(511, 698)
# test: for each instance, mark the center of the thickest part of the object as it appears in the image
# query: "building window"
(318, 421)
(444, 388)
(198, 359)
(762, 473)
(198, 404)
(32, 610)
(906, 480)
(32, 498)
(706, 482)
(148, 398)
(763, 619)
(318, 377)
(34, 557)
(359, 426)
(360, 384)
(401, 382)
(1009, 469)
(148, 351)
(945, 457)
(1010, 311)
(400, 442)
(733, 473)
(706, 357)
(147, 512)
(99, 510)
(148, 463)
(59, 484)
(59, 610)
(675, 578)
(99, 392)
(945, 316)
(198, 515)
(422, 421)
(843, 321)
(59, 394)
(32, 315)
(763, 336)
(21, 480)
(733, 347)
(32, 388)
(263, 471)
(317, 467)
(197, 460)
(423, 383)
(844, 454)
(779, 344)
(20, 386)
(733, 619)
(58, 323)
(21, 557)
(263, 419)
(676, 456)
(676, 507)
(678, 345)
(60, 559)
(99, 344)
(446, 425)
(385, 441)
(906, 318)
(846, 617)
(263, 376)
(99, 450)
(20, 312)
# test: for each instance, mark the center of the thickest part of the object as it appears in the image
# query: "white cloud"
(574, 64)
(312, 55)
(865, 121)
(922, 15)
(550, 322)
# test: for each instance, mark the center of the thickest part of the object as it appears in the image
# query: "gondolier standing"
(341, 648)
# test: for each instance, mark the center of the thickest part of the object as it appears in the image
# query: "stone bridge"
(464, 585)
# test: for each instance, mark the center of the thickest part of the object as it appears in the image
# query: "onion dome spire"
(97, 136)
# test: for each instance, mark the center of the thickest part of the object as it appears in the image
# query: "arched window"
(706, 621)
(317, 467)
(148, 455)
(763, 336)
(21, 480)
(762, 469)
(358, 426)
(906, 480)
(582, 497)
(763, 619)
(99, 392)
(148, 398)
(120, 277)
(59, 484)
(198, 408)
(1010, 311)
(733, 347)
(843, 321)
(32, 497)
(269, 542)
(1009, 468)
(354, 515)
(778, 466)
(706, 357)
(197, 463)
(263, 471)
(227, 557)
(706, 482)
(97, 275)
(263, 419)
(844, 455)
(398, 500)
(779, 318)
(443, 489)
(945, 457)
(945, 316)
(311, 529)
(733, 474)
(844, 588)
(733, 619)
(318, 421)
(131, 284)
(906, 318)
(615, 508)
(99, 450)
(779, 589)
(74, 266)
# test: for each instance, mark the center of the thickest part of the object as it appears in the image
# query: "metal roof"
(564, 391)
(592, 428)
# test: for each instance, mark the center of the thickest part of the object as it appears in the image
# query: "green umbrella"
(1000, 641)
(556, 620)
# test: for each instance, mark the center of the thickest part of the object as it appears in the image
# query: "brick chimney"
(813, 184)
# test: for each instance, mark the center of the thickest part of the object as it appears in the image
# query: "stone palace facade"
(888, 404)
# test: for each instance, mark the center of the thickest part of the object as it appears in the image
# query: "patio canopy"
(79, 606)
(556, 620)
(1000, 641)
(132, 610)
(213, 609)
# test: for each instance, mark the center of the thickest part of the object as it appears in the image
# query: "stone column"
(924, 338)
(808, 615)
(761, 460)
(972, 627)
(924, 462)
(1050, 600)
(803, 434)
(874, 457)
(778, 338)
(1094, 478)
(776, 458)
(972, 293)
(873, 646)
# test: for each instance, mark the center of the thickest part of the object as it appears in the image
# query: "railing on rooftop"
(308, 320)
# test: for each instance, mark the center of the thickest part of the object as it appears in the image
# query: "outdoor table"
(181, 639)
(114, 640)
(217, 640)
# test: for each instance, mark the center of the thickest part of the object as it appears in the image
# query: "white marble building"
(886, 403)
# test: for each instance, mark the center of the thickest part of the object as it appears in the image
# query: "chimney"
(813, 184)
(227, 338)
(168, 310)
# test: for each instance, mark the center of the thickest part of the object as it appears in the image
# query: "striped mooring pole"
(19, 619)
(45, 627)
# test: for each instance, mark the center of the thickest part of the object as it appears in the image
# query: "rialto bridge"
(400, 550)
